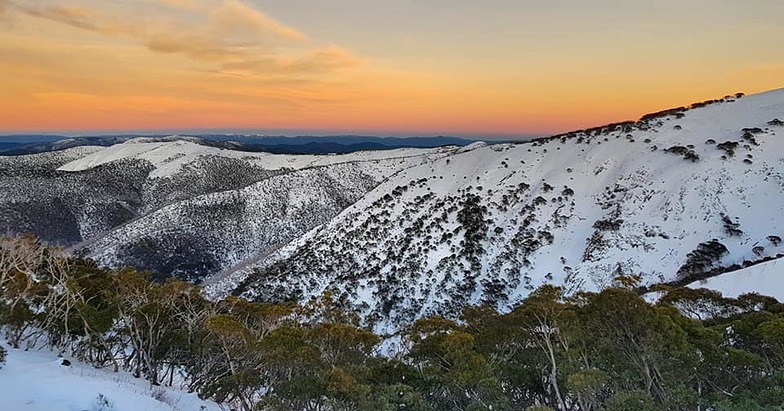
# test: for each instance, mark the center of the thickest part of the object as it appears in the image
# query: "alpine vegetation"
(607, 350)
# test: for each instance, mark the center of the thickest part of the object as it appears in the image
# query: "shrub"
(730, 227)
(686, 152)
(728, 147)
(631, 401)
(679, 150)
(608, 225)
(2, 356)
(677, 112)
(692, 156)
(702, 258)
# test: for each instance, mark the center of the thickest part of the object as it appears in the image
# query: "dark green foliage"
(703, 258)
(632, 401)
(728, 147)
(608, 225)
(610, 350)
(730, 227)
(686, 152)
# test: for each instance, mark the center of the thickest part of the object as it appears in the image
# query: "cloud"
(5, 6)
(193, 46)
(230, 33)
(326, 59)
(183, 4)
(78, 17)
(237, 18)
(321, 60)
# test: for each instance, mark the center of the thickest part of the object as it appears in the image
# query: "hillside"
(178, 207)
(399, 234)
(491, 223)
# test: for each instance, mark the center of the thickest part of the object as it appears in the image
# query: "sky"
(404, 67)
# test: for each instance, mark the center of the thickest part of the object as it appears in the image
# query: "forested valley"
(613, 350)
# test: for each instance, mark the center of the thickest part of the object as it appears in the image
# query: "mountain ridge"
(11, 145)
(492, 224)
(399, 234)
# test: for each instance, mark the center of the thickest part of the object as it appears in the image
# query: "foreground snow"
(36, 380)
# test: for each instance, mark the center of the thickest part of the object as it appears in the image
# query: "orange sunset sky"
(404, 67)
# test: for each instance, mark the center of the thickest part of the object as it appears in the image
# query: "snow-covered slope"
(37, 381)
(489, 224)
(766, 278)
(179, 206)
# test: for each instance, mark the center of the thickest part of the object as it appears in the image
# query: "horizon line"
(252, 132)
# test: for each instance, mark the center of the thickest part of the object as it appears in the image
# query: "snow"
(36, 381)
(668, 205)
(341, 222)
(168, 157)
(766, 279)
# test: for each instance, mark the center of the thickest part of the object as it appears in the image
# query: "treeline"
(692, 350)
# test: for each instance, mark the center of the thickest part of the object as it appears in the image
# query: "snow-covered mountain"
(679, 195)
(491, 223)
(178, 207)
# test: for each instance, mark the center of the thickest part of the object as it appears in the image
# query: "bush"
(703, 258)
(686, 152)
(730, 227)
(728, 147)
(631, 401)
(2, 356)
(608, 225)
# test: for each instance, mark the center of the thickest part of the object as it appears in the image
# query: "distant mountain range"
(32, 144)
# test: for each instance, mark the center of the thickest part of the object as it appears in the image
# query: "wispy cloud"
(173, 63)
(79, 17)
(5, 5)
(234, 17)
(230, 33)
(321, 60)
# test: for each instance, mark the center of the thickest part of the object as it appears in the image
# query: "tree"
(545, 319)
(241, 379)
(455, 374)
(146, 313)
(644, 344)
(632, 401)
(586, 386)
(22, 262)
